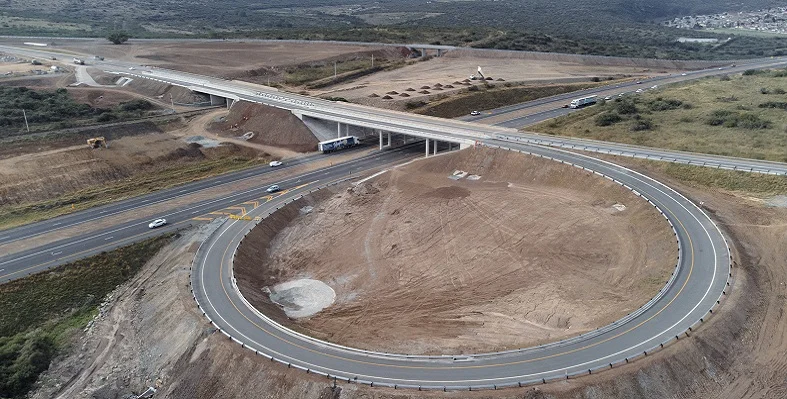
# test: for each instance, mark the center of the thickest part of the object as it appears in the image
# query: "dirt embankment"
(269, 126)
(738, 354)
(48, 174)
(533, 251)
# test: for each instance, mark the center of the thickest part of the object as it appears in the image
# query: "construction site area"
(470, 251)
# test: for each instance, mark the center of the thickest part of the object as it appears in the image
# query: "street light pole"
(26, 125)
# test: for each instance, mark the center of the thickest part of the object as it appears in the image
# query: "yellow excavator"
(97, 142)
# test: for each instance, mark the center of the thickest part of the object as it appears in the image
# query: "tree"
(118, 37)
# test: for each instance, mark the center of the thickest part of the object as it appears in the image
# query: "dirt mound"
(532, 251)
(270, 126)
(163, 91)
(98, 97)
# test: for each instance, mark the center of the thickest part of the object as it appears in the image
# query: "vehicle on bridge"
(581, 102)
(338, 144)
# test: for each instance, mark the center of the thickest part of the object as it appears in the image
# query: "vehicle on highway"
(607, 98)
(564, 106)
(639, 91)
(272, 189)
(584, 101)
(654, 87)
(639, 82)
(338, 144)
(276, 163)
(683, 74)
(130, 68)
(475, 113)
(157, 223)
(621, 94)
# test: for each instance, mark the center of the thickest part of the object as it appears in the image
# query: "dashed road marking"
(57, 253)
(108, 238)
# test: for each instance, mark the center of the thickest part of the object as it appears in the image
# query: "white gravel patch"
(203, 141)
(303, 297)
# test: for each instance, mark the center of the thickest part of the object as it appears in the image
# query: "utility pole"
(26, 125)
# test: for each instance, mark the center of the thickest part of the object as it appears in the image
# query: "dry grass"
(687, 128)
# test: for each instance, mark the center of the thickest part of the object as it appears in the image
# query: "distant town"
(773, 20)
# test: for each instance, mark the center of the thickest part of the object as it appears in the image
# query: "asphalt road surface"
(700, 277)
(33, 260)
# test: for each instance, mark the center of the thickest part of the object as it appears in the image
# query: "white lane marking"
(108, 238)
(3, 238)
(57, 253)
(313, 173)
(194, 212)
(614, 166)
(55, 224)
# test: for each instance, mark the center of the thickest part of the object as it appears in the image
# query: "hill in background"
(614, 27)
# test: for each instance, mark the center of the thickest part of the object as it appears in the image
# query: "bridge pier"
(427, 148)
(216, 100)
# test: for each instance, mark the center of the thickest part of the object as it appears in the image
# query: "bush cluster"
(730, 119)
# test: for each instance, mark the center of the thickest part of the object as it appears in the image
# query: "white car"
(475, 113)
(130, 68)
(654, 87)
(607, 98)
(683, 74)
(639, 90)
(276, 163)
(272, 189)
(157, 223)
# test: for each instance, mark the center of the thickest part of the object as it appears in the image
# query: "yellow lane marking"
(691, 269)
(202, 218)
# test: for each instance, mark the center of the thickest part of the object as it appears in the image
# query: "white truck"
(79, 61)
(581, 102)
(338, 144)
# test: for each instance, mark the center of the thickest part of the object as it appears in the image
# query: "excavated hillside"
(524, 252)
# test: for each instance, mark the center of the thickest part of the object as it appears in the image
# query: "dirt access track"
(532, 251)
(151, 334)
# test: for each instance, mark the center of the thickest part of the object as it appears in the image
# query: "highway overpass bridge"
(347, 118)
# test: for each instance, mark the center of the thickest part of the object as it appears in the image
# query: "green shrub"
(607, 119)
(774, 104)
(626, 107)
(718, 117)
(660, 104)
(641, 124)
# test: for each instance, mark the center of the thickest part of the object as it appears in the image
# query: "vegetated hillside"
(615, 27)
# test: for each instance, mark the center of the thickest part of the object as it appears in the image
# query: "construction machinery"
(97, 142)
(478, 76)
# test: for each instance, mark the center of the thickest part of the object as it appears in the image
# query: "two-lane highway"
(33, 260)
(700, 277)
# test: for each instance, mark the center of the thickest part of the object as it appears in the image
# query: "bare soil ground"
(534, 251)
(740, 353)
(102, 98)
(450, 69)
(216, 58)
(269, 126)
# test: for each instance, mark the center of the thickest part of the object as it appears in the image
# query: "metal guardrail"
(568, 375)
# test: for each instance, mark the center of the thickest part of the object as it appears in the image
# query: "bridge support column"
(439, 52)
(434, 150)
(389, 139)
(338, 129)
(381, 139)
(216, 100)
(427, 148)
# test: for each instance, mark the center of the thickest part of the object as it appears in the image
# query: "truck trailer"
(581, 102)
(338, 144)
